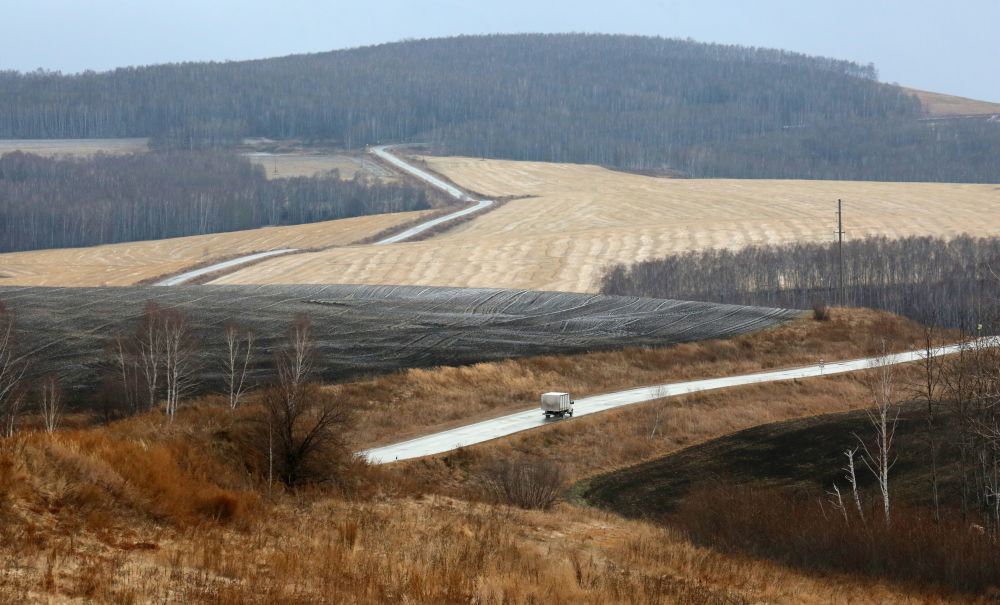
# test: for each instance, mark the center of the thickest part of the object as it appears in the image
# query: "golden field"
(132, 262)
(75, 147)
(575, 220)
(937, 104)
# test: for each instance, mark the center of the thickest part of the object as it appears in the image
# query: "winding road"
(383, 153)
(487, 430)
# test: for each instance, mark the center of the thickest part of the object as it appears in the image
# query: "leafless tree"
(929, 390)
(149, 348)
(295, 361)
(301, 442)
(837, 501)
(50, 403)
(178, 357)
(299, 434)
(239, 351)
(852, 479)
(12, 371)
(125, 370)
(883, 415)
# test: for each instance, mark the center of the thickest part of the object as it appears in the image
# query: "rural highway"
(530, 419)
(382, 152)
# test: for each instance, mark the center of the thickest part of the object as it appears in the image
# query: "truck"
(557, 404)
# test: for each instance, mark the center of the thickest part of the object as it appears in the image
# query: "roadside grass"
(140, 511)
(420, 401)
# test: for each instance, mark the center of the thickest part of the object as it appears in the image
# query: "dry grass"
(141, 511)
(132, 262)
(582, 218)
(77, 147)
(419, 401)
(937, 104)
(433, 550)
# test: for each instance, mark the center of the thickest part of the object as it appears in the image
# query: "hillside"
(576, 220)
(639, 103)
(365, 330)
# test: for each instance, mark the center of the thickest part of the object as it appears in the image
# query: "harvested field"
(365, 330)
(52, 147)
(128, 263)
(937, 104)
(578, 219)
(285, 165)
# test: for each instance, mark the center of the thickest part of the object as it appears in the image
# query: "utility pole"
(840, 251)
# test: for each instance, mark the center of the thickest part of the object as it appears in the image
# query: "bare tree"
(299, 435)
(50, 403)
(929, 390)
(236, 364)
(12, 371)
(125, 369)
(302, 442)
(178, 357)
(295, 361)
(852, 479)
(149, 349)
(883, 415)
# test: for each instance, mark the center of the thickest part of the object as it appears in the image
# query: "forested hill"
(623, 101)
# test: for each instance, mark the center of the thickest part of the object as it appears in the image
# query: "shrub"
(525, 484)
(821, 312)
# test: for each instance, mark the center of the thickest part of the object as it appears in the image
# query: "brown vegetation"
(133, 513)
(418, 401)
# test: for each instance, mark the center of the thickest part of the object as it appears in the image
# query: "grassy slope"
(139, 512)
(800, 455)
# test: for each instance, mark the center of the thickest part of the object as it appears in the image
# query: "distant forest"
(630, 102)
(57, 203)
(953, 282)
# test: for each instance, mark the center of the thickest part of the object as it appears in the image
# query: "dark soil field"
(804, 456)
(364, 330)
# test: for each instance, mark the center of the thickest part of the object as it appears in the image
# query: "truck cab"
(557, 404)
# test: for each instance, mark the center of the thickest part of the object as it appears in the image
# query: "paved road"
(382, 152)
(529, 419)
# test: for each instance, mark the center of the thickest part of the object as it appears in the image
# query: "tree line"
(56, 203)
(953, 282)
(625, 101)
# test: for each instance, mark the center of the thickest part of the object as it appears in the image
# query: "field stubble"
(576, 220)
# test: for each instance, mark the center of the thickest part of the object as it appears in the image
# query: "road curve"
(381, 152)
(529, 419)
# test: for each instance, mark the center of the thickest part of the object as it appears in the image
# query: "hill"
(640, 103)
(576, 220)
(366, 330)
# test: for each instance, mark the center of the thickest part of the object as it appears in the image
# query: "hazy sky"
(950, 47)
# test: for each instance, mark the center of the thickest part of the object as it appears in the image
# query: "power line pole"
(840, 251)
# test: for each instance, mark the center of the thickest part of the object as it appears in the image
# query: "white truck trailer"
(557, 404)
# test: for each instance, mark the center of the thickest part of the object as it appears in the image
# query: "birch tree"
(883, 416)
(50, 403)
(236, 363)
(178, 358)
